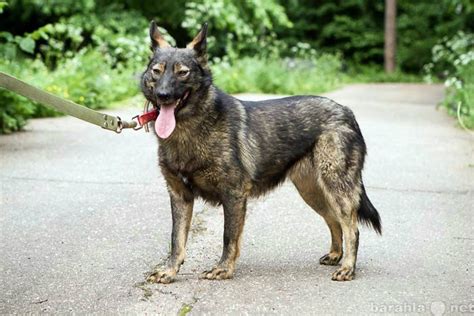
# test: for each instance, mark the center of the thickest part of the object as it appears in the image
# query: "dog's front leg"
(234, 218)
(181, 210)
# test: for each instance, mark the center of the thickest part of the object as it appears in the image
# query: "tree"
(390, 35)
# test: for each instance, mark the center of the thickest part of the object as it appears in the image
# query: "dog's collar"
(147, 117)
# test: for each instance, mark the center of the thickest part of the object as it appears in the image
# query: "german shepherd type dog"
(224, 150)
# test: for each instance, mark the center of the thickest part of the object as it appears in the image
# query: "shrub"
(238, 28)
(86, 79)
(356, 27)
(453, 60)
(91, 59)
(273, 75)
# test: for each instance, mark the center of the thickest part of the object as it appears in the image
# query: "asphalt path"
(85, 216)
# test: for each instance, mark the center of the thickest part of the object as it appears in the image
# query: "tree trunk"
(390, 35)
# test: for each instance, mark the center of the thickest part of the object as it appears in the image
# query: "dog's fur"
(225, 151)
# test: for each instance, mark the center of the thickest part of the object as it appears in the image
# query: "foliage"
(356, 27)
(92, 60)
(3, 4)
(453, 59)
(353, 27)
(237, 27)
(462, 97)
(422, 23)
(374, 73)
(284, 76)
(86, 79)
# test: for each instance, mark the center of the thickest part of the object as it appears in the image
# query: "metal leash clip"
(138, 126)
(136, 118)
(125, 124)
(137, 122)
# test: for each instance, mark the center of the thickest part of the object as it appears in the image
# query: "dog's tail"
(367, 213)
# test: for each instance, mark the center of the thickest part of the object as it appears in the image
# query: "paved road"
(85, 215)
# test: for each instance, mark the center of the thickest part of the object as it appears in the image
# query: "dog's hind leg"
(234, 218)
(335, 253)
(351, 239)
(329, 181)
(343, 199)
(304, 179)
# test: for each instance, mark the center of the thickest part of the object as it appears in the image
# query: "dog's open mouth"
(166, 121)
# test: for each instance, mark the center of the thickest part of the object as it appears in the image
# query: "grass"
(84, 79)
(294, 76)
(376, 73)
(185, 309)
(279, 76)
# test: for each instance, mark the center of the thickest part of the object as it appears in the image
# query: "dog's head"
(175, 79)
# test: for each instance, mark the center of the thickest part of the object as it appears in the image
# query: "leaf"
(2, 5)
(27, 45)
(8, 51)
(7, 36)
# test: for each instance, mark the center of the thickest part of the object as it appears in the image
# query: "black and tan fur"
(226, 151)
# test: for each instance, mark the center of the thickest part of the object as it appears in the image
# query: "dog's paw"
(162, 276)
(330, 259)
(217, 273)
(343, 274)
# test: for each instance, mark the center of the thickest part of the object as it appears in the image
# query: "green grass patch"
(376, 73)
(298, 76)
(85, 79)
(279, 76)
(185, 309)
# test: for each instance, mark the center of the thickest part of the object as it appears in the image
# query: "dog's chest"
(183, 157)
(203, 182)
(194, 166)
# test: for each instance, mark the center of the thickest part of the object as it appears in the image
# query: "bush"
(356, 27)
(460, 98)
(274, 75)
(238, 28)
(91, 59)
(453, 60)
(86, 79)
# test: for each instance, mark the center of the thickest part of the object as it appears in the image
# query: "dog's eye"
(157, 69)
(183, 72)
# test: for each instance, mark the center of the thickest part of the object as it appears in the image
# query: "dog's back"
(281, 132)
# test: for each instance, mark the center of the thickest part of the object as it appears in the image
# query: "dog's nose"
(163, 96)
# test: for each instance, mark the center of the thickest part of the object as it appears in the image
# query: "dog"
(225, 151)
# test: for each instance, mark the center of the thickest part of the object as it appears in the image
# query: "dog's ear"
(157, 39)
(199, 43)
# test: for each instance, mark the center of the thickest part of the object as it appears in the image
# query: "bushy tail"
(367, 213)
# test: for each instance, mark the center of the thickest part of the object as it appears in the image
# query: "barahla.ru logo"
(437, 308)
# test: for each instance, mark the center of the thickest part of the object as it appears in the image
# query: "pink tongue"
(165, 123)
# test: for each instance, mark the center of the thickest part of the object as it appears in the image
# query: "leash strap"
(109, 122)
